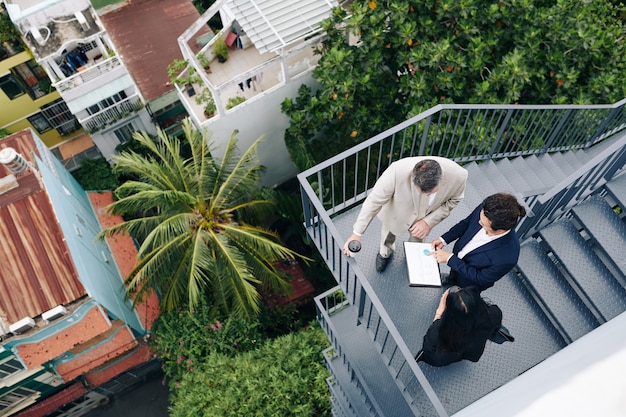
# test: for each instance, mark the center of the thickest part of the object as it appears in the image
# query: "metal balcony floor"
(412, 309)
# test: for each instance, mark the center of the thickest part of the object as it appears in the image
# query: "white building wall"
(262, 117)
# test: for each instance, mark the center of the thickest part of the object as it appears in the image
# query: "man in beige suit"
(414, 194)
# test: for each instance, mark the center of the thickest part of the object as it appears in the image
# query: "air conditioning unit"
(54, 313)
(82, 21)
(37, 36)
(21, 326)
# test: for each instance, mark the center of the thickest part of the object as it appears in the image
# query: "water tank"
(13, 160)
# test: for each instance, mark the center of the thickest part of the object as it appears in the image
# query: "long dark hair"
(465, 313)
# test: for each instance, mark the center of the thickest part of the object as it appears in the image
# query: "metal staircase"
(570, 278)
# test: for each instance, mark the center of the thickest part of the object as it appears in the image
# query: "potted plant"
(234, 101)
(205, 98)
(220, 49)
(209, 109)
(204, 61)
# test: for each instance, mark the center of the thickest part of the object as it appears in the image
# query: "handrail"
(363, 287)
(576, 187)
(331, 331)
(464, 133)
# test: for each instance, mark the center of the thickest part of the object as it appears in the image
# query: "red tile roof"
(117, 342)
(146, 34)
(37, 353)
(55, 401)
(125, 254)
(36, 271)
(105, 373)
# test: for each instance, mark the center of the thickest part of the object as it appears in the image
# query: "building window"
(125, 133)
(107, 102)
(11, 86)
(14, 397)
(60, 117)
(34, 77)
(39, 122)
(9, 367)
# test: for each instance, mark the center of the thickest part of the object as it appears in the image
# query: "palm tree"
(189, 217)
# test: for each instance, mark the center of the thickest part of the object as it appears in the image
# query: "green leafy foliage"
(399, 58)
(283, 377)
(96, 175)
(8, 31)
(186, 337)
(188, 213)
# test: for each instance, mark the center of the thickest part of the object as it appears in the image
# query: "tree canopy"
(392, 59)
(283, 377)
(189, 216)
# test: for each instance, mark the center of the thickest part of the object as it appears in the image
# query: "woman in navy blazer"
(486, 247)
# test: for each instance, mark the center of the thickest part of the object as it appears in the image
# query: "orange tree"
(391, 59)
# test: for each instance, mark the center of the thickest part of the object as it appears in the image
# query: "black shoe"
(381, 263)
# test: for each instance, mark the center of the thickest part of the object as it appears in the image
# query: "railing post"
(505, 124)
(548, 144)
(604, 125)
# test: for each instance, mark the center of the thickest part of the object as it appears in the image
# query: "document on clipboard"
(423, 268)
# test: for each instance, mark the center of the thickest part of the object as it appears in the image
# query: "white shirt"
(480, 238)
(431, 198)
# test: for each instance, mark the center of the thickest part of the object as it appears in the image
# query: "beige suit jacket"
(399, 204)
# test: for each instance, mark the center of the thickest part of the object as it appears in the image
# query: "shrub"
(96, 174)
(284, 377)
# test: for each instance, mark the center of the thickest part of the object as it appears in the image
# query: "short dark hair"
(503, 211)
(427, 174)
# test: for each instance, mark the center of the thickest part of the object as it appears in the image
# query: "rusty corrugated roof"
(36, 271)
(146, 35)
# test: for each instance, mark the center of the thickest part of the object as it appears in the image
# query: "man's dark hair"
(503, 211)
(427, 174)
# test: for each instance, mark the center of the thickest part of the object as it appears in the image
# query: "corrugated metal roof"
(272, 24)
(36, 271)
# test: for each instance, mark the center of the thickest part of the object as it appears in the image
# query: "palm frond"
(242, 178)
(239, 292)
(168, 229)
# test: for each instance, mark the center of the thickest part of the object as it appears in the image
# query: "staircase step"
(544, 172)
(517, 179)
(490, 172)
(557, 297)
(555, 171)
(617, 189)
(523, 168)
(587, 271)
(606, 229)
(354, 402)
(482, 183)
(582, 156)
(565, 162)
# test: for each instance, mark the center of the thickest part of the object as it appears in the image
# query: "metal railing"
(110, 115)
(576, 187)
(389, 344)
(327, 304)
(463, 133)
(88, 74)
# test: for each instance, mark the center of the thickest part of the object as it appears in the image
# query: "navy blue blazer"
(486, 264)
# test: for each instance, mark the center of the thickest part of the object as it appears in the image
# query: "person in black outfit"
(463, 322)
